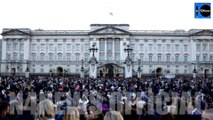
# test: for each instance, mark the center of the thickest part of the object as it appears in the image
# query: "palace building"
(67, 51)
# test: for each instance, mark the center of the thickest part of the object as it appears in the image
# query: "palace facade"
(62, 51)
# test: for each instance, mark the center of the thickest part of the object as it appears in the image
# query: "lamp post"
(82, 68)
(93, 62)
(93, 50)
(194, 72)
(27, 72)
(128, 50)
(128, 62)
(139, 69)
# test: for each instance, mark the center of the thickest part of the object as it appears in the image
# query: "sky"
(79, 14)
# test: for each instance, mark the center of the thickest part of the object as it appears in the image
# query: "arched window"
(68, 57)
(168, 57)
(159, 57)
(34, 57)
(51, 57)
(60, 58)
(42, 57)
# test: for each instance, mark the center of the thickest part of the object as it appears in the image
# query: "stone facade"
(61, 51)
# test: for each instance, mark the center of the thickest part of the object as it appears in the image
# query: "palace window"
(159, 47)
(168, 57)
(117, 45)
(86, 47)
(15, 56)
(33, 57)
(197, 58)
(211, 58)
(101, 45)
(177, 58)
(141, 57)
(22, 47)
(59, 47)
(69, 47)
(204, 47)
(21, 56)
(8, 46)
(150, 47)
(77, 47)
(109, 57)
(117, 57)
(150, 57)
(68, 57)
(176, 48)
(198, 47)
(42, 47)
(211, 47)
(42, 57)
(15, 46)
(86, 57)
(185, 48)
(60, 58)
(8, 57)
(168, 47)
(204, 57)
(109, 45)
(77, 57)
(51, 47)
(101, 56)
(159, 57)
(141, 47)
(185, 58)
(51, 57)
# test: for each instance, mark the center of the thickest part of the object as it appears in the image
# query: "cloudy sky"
(79, 14)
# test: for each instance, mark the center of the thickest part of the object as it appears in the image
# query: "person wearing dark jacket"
(4, 110)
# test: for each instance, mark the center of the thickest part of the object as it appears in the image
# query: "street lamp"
(194, 71)
(27, 72)
(139, 68)
(82, 68)
(128, 50)
(93, 50)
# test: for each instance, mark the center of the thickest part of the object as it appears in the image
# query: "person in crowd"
(46, 110)
(4, 110)
(71, 113)
(207, 114)
(113, 115)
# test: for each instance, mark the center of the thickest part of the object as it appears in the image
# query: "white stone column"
(97, 46)
(121, 50)
(113, 49)
(4, 49)
(3, 66)
(193, 50)
(27, 49)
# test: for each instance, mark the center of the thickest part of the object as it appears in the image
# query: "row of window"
(60, 47)
(109, 45)
(204, 47)
(59, 57)
(161, 47)
(109, 57)
(77, 70)
(15, 56)
(159, 58)
(15, 46)
(205, 58)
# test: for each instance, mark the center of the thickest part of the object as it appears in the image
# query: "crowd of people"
(73, 98)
